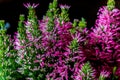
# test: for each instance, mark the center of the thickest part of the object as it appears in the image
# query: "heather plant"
(7, 56)
(102, 50)
(61, 47)
(56, 49)
(4, 50)
(27, 44)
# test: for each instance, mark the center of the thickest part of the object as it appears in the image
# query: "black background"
(10, 10)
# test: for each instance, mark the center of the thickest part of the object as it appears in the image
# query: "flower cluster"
(103, 49)
(56, 49)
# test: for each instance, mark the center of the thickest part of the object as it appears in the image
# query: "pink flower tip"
(28, 5)
(64, 6)
(105, 74)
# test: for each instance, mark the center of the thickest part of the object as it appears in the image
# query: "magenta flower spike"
(104, 40)
(28, 5)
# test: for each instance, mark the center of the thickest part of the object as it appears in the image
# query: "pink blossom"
(105, 74)
(64, 6)
(28, 5)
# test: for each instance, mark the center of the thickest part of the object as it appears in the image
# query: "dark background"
(10, 10)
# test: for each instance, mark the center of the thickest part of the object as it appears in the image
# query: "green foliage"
(74, 45)
(73, 30)
(52, 13)
(114, 69)
(50, 25)
(110, 4)
(114, 76)
(3, 50)
(75, 24)
(82, 23)
(78, 25)
(52, 10)
(33, 20)
(64, 15)
(7, 56)
(87, 72)
(2, 24)
(21, 27)
(102, 78)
